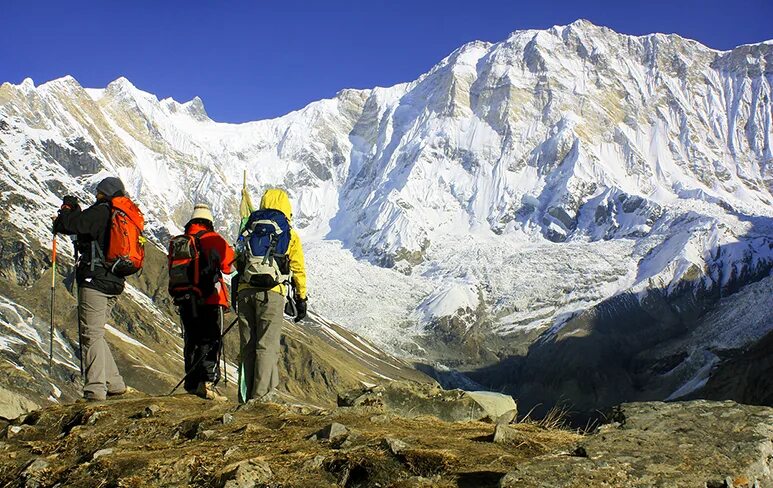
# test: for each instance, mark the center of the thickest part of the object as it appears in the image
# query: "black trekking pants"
(201, 332)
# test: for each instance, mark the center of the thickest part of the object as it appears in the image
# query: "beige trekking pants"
(260, 328)
(102, 374)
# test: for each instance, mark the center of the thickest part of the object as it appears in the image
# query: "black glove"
(300, 307)
(69, 202)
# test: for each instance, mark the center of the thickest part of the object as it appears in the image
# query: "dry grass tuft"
(556, 418)
(429, 462)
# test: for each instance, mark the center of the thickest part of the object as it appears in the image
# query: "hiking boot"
(90, 398)
(209, 392)
(126, 389)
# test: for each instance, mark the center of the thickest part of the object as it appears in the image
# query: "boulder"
(330, 432)
(504, 434)
(507, 417)
(408, 399)
(35, 474)
(102, 452)
(95, 416)
(19, 431)
(495, 404)
(249, 473)
(395, 446)
(13, 404)
(315, 463)
(13, 431)
(37, 466)
(206, 434)
(151, 410)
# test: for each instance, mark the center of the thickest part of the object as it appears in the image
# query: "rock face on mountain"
(517, 197)
(186, 441)
(744, 375)
(625, 349)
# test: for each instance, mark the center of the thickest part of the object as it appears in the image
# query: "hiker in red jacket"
(202, 317)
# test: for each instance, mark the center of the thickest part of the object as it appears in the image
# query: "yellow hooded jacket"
(277, 199)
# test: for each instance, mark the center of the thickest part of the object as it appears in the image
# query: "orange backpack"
(126, 245)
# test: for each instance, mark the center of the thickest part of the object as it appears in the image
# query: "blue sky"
(261, 59)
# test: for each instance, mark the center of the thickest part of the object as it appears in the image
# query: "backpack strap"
(197, 239)
(198, 235)
(209, 256)
(97, 254)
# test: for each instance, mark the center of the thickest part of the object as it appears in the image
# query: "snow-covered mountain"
(458, 217)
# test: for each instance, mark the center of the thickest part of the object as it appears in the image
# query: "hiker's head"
(110, 187)
(277, 199)
(202, 215)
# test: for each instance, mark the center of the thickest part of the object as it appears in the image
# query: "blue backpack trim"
(266, 264)
(260, 236)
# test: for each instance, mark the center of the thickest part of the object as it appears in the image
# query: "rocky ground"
(185, 441)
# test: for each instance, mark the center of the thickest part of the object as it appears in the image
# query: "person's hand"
(69, 202)
(300, 307)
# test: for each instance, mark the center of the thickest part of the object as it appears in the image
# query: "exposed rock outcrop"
(186, 442)
(415, 400)
(702, 444)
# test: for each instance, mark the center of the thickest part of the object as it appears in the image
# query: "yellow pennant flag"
(245, 206)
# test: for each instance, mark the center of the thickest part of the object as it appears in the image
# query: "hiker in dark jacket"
(98, 288)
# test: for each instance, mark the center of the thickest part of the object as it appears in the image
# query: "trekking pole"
(222, 350)
(76, 288)
(193, 366)
(53, 284)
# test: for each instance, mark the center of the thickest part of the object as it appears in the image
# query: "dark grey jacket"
(92, 226)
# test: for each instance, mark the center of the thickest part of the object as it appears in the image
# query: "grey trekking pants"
(102, 374)
(260, 328)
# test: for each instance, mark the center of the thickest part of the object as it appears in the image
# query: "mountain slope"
(460, 216)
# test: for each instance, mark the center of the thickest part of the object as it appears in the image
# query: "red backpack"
(126, 245)
(190, 271)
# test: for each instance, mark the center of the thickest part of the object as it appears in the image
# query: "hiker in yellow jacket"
(271, 264)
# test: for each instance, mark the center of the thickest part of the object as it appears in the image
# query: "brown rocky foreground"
(185, 441)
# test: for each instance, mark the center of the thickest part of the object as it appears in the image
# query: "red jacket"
(209, 242)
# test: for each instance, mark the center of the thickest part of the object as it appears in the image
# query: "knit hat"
(202, 211)
(111, 187)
